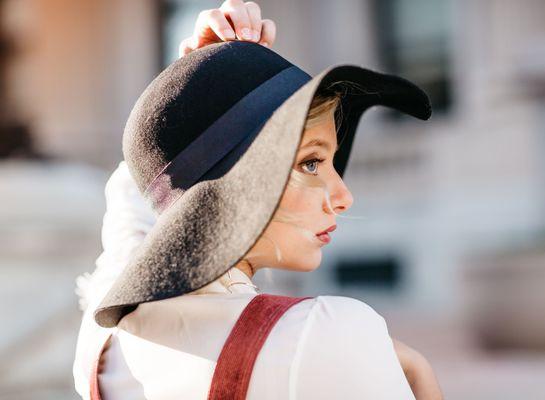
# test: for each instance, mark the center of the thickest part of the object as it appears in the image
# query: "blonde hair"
(326, 101)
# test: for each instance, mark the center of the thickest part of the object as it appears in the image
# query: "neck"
(246, 267)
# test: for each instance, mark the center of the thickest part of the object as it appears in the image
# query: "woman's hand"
(233, 20)
(418, 372)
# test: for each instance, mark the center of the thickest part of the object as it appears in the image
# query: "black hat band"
(241, 122)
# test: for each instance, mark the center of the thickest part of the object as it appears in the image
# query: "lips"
(330, 229)
(323, 236)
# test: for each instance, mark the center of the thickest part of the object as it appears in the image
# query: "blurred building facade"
(449, 214)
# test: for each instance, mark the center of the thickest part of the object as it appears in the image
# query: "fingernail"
(246, 34)
(265, 44)
(256, 35)
(228, 33)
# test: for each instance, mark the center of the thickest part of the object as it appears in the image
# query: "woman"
(324, 347)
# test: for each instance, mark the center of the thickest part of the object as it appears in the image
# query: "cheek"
(297, 251)
(302, 200)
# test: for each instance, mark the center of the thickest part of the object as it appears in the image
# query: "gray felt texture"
(217, 221)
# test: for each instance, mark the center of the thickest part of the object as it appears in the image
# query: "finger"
(236, 11)
(214, 20)
(254, 13)
(268, 32)
(186, 46)
(201, 30)
(220, 25)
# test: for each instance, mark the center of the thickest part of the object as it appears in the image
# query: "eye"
(313, 162)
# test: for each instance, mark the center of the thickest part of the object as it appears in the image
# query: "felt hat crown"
(211, 143)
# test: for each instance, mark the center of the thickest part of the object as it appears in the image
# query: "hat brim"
(216, 222)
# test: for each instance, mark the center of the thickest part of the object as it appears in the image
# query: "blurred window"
(377, 271)
(413, 41)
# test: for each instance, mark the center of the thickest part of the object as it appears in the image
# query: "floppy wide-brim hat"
(211, 143)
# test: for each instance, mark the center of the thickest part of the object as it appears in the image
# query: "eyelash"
(311, 161)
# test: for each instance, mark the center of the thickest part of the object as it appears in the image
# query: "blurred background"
(449, 243)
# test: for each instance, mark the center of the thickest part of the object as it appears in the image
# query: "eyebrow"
(319, 142)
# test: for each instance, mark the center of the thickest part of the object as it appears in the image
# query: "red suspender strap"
(95, 390)
(237, 358)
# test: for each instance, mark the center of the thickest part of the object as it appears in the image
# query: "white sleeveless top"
(327, 347)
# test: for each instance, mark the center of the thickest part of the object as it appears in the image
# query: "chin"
(306, 261)
(297, 252)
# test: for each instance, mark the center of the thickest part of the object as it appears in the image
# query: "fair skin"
(230, 22)
(300, 253)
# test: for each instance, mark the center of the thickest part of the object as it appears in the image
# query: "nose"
(341, 198)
